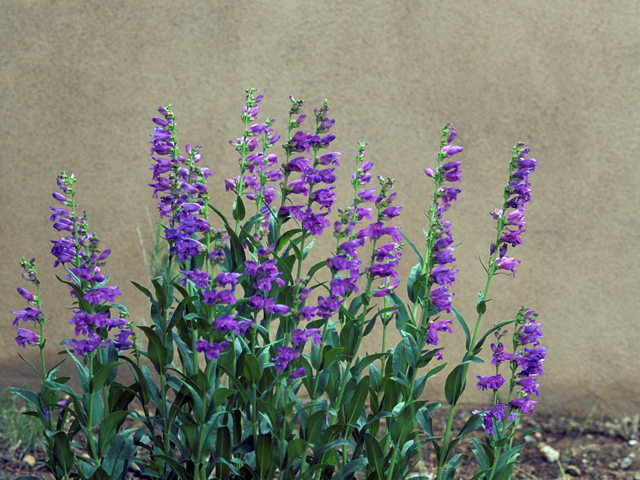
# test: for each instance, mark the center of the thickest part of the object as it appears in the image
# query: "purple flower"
(524, 404)
(122, 341)
(29, 313)
(508, 263)
(300, 337)
(226, 324)
(531, 361)
(441, 298)
(435, 327)
(28, 296)
(450, 150)
(285, 356)
(26, 337)
(529, 385)
(200, 279)
(297, 373)
(61, 198)
(211, 350)
(493, 382)
(83, 347)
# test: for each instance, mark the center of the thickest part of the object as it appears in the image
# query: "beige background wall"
(80, 80)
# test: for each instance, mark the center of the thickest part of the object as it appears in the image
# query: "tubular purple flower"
(524, 404)
(508, 263)
(211, 350)
(435, 327)
(28, 296)
(297, 373)
(493, 382)
(26, 337)
(60, 198)
(29, 313)
(450, 150)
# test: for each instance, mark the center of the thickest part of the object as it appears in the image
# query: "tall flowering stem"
(509, 227)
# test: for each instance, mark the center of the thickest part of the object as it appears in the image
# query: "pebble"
(625, 463)
(636, 476)
(550, 454)
(633, 442)
(29, 460)
(530, 439)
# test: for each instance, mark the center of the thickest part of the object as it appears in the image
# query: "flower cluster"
(185, 188)
(80, 254)
(526, 364)
(255, 173)
(441, 241)
(510, 218)
(31, 313)
(311, 173)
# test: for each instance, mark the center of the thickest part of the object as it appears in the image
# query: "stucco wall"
(80, 81)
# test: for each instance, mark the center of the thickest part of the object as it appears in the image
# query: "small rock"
(29, 460)
(636, 476)
(530, 439)
(550, 454)
(573, 471)
(625, 463)
(633, 442)
(538, 435)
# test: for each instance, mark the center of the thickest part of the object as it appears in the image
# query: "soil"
(593, 450)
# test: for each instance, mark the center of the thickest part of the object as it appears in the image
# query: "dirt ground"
(593, 450)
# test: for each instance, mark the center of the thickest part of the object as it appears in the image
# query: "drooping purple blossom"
(26, 337)
(211, 350)
(493, 382)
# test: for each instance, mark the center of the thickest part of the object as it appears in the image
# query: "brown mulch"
(594, 450)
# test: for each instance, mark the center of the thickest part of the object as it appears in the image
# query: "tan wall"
(79, 82)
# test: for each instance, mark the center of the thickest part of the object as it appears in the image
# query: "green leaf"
(157, 352)
(264, 454)
(351, 468)
(402, 318)
(425, 421)
(219, 213)
(374, 454)
(307, 249)
(452, 466)
(252, 371)
(472, 424)
(223, 451)
(464, 326)
(415, 273)
(83, 372)
(238, 211)
(160, 294)
(100, 377)
(404, 424)
(62, 451)
(285, 238)
(142, 289)
(316, 267)
(413, 247)
(109, 429)
(356, 405)
(296, 449)
(478, 346)
(454, 385)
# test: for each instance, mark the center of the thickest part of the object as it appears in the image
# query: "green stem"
(90, 439)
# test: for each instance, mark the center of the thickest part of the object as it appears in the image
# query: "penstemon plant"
(252, 367)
